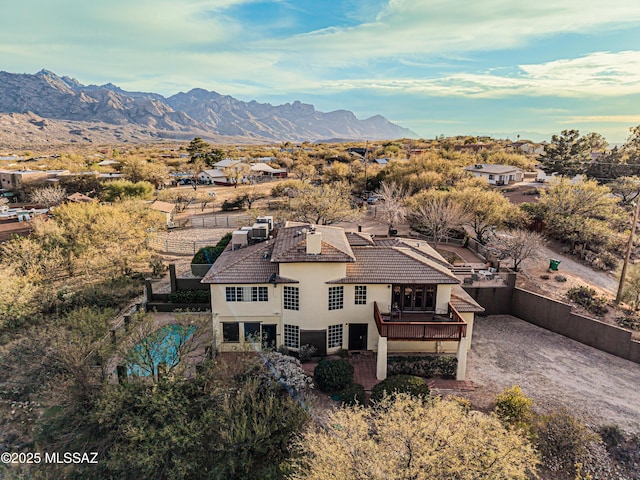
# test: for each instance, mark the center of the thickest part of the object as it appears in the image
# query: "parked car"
(375, 198)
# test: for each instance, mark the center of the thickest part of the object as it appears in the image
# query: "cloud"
(626, 119)
(426, 29)
(598, 74)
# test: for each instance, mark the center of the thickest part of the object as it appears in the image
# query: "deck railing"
(453, 330)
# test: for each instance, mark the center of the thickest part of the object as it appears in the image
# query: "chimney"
(314, 242)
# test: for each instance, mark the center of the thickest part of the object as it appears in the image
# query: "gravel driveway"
(554, 370)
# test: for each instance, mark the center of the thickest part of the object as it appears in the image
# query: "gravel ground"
(554, 370)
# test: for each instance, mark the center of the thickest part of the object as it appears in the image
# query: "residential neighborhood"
(428, 270)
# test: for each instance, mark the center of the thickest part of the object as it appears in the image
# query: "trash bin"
(553, 265)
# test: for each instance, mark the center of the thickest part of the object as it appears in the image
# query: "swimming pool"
(161, 347)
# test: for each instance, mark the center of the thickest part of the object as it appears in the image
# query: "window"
(230, 332)
(292, 336)
(361, 295)
(334, 336)
(491, 177)
(291, 298)
(336, 298)
(247, 294)
(252, 331)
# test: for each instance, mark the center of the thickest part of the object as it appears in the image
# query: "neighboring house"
(333, 289)
(212, 176)
(381, 161)
(264, 169)
(496, 174)
(108, 163)
(105, 177)
(169, 209)
(18, 179)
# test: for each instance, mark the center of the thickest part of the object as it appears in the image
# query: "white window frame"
(360, 295)
(291, 298)
(335, 336)
(291, 336)
(336, 298)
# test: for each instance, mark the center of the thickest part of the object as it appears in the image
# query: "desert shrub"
(333, 375)
(343, 353)
(190, 296)
(306, 352)
(545, 277)
(513, 407)
(282, 371)
(410, 384)
(236, 203)
(588, 298)
(560, 278)
(602, 260)
(611, 435)
(428, 367)
(629, 320)
(462, 402)
(569, 448)
(352, 394)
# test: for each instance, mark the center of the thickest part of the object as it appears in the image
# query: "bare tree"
(393, 210)
(518, 245)
(440, 215)
(49, 196)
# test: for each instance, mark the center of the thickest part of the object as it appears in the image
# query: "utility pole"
(366, 150)
(627, 254)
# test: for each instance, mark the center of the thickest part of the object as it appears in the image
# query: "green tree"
(405, 437)
(583, 214)
(487, 210)
(217, 425)
(566, 154)
(117, 190)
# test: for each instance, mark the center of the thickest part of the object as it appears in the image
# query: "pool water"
(162, 346)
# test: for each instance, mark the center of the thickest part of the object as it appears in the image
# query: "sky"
(439, 67)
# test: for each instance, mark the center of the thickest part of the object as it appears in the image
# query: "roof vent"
(478, 166)
(266, 255)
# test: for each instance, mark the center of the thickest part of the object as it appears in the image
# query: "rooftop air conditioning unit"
(239, 239)
(268, 219)
(260, 231)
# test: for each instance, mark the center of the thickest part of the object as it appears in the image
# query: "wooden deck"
(423, 326)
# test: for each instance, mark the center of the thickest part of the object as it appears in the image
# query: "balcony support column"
(381, 364)
(461, 355)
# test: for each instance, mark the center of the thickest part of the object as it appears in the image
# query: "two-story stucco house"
(320, 285)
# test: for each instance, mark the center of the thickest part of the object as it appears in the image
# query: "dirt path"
(554, 370)
(570, 267)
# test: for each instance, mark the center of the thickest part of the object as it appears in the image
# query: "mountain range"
(47, 108)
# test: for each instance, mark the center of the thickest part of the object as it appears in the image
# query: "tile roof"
(384, 264)
(290, 244)
(245, 265)
(420, 246)
(462, 301)
(359, 239)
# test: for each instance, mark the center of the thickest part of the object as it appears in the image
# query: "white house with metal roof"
(496, 174)
(320, 285)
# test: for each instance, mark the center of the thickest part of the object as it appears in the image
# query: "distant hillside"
(44, 107)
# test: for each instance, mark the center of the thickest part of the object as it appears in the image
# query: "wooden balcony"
(451, 329)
